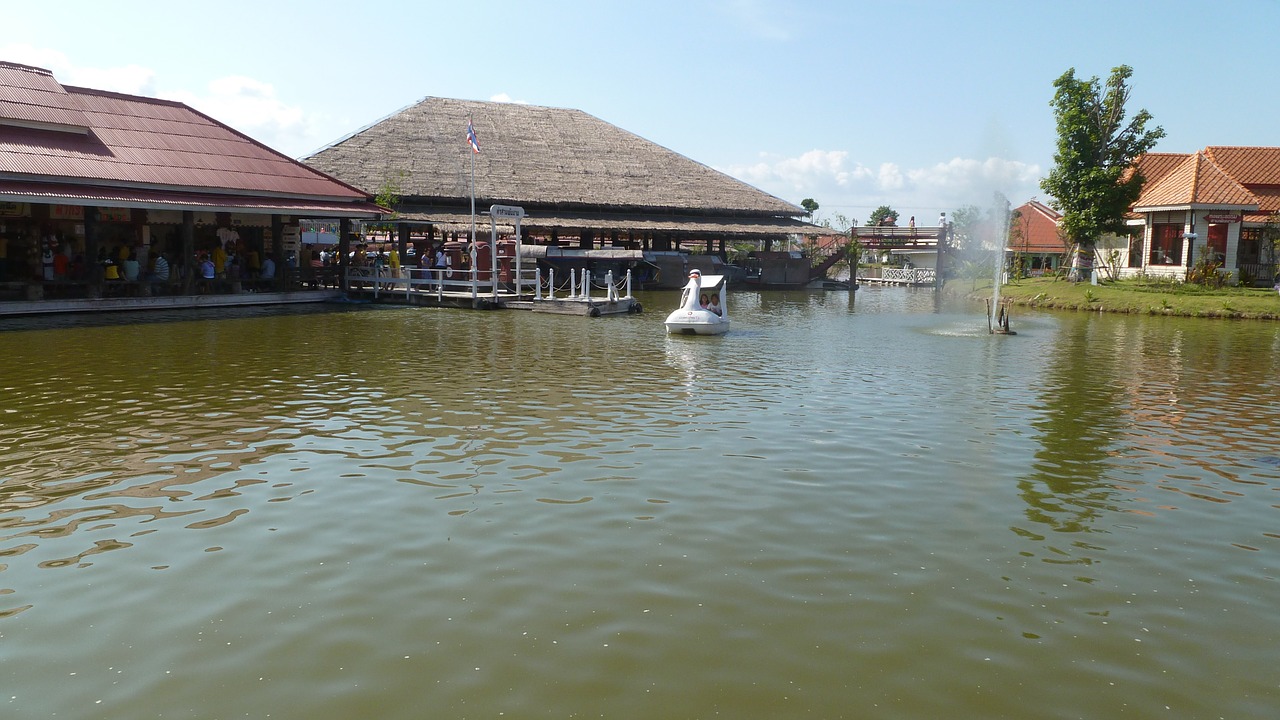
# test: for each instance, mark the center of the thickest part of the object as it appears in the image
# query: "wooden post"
(277, 250)
(188, 252)
(344, 252)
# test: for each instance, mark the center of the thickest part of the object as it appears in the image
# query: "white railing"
(579, 286)
(914, 276)
(409, 281)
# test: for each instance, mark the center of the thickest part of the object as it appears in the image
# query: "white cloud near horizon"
(254, 108)
(505, 98)
(838, 183)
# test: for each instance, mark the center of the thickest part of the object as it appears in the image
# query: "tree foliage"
(810, 206)
(1095, 149)
(882, 213)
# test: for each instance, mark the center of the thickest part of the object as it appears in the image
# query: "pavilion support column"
(277, 247)
(344, 252)
(586, 240)
(711, 245)
(188, 238)
(403, 243)
(91, 251)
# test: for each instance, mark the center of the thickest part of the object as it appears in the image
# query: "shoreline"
(1129, 297)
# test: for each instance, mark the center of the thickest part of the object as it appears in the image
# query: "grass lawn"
(1133, 296)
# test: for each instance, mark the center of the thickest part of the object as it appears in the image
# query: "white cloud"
(131, 79)
(505, 98)
(853, 189)
(254, 108)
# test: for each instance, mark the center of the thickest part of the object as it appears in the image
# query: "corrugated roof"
(32, 97)
(117, 196)
(144, 144)
(533, 155)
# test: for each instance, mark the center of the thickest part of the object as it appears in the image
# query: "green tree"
(882, 213)
(1090, 182)
(810, 207)
(388, 196)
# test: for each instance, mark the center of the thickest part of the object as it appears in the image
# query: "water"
(872, 509)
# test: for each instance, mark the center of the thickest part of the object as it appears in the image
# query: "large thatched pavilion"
(582, 182)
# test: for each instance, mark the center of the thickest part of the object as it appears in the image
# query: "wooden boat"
(702, 308)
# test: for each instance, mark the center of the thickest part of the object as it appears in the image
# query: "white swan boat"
(702, 308)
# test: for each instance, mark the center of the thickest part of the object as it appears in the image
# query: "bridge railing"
(913, 276)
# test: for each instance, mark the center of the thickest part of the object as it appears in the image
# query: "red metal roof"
(32, 97)
(139, 145)
(115, 196)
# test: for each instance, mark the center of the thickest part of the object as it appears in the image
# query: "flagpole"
(473, 193)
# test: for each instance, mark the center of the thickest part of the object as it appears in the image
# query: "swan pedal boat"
(694, 317)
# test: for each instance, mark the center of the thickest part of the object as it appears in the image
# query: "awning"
(155, 199)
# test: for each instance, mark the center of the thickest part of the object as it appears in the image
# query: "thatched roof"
(554, 162)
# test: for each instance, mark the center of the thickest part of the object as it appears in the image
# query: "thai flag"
(471, 137)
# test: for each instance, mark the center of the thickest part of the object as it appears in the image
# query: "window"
(1216, 243)
(1135, 250)
(1166, 244)
(1250, 246)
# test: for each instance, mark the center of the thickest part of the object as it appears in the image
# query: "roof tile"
(1197, 180)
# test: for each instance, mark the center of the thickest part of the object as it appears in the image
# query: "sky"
(922, 105)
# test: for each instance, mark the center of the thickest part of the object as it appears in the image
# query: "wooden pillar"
(91, 250)
(188, 234)
(344, 252)
(586, 239)
(277, 245)
(403, 244)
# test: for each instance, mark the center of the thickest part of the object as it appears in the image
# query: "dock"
(581, 295)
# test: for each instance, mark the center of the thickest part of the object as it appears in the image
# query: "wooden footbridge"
(890, 237)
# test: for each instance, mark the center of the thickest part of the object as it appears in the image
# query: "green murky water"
(867, 509)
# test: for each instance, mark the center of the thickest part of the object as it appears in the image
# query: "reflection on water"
(846, 506)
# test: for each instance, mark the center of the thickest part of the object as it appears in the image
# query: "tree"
(388, 196)
(1091, 182)
(883, 215)
(810, 206)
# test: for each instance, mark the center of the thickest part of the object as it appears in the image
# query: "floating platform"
(577, 306)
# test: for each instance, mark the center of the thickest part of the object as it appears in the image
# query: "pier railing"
(529, 282)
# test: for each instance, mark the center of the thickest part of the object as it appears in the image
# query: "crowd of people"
(225, 264)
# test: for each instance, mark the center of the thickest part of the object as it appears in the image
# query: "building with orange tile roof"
(1215, 202)
(1034, 236)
